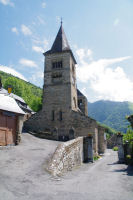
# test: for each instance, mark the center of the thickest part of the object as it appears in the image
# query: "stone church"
(64, 114)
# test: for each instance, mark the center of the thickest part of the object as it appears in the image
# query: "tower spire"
(60, 43)
(61, 21)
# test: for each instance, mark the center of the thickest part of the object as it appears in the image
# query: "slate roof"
(60, 44)
(3, 91)
(79, 93)
(18, 99)
(9, 104)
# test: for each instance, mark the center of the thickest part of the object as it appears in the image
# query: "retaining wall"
(67, 156)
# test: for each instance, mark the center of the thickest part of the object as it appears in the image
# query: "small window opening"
(60, 115)
(53, 115)
(57, 75)
(57, 65)
(80, 102)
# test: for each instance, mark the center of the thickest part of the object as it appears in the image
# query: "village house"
(19, 100)
(64, 115)
(11, 121)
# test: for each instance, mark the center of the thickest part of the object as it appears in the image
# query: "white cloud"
(43, 5)
(7, 2)
(116, 22)
(106, 81)
(14, 30)
(37, 49)
(12, 71)
(40, 20)
(27, 63)
(44, 43)
(25, 30)
(83, 53)
(58, 19)
(36, 77)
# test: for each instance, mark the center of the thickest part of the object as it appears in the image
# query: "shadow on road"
(128, 170)
(115, 163)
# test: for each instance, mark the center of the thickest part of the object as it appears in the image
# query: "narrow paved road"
(23, 175)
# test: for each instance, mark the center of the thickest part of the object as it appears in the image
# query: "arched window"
(71, 134)
(53, 115)
(60, 115)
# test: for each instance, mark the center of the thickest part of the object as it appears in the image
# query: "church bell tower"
(60, 90)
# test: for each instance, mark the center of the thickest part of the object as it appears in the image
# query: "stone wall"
(83, 105)
(112, 141)
(81, 125)
(102, 143)
(20, 122)
(67, 156)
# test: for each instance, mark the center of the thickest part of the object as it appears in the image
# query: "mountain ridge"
(111, 113)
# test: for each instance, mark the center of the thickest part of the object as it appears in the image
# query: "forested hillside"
(29, 92)
(111, 113)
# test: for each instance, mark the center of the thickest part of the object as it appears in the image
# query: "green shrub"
(128, 137)
(129, 160)
(115, 148)
(128, 156)
(96, 157)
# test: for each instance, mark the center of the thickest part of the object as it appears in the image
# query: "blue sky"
(100, 34)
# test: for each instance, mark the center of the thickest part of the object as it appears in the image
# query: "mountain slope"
(29, 92)
(111, 113)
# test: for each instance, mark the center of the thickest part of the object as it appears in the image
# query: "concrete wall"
(67, 156)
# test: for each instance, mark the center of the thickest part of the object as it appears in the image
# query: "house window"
(53, 114)
(60, 115)
(57, 65)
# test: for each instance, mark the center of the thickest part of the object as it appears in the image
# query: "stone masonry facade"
(64, 115)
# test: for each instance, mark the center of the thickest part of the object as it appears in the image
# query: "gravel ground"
(23, 175)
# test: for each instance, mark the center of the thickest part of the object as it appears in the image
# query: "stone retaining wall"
(67, 156)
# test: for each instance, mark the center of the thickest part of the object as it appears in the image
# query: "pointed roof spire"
(61, 21)
(61, 43)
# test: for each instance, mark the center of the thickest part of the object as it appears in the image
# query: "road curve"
(23, 175)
